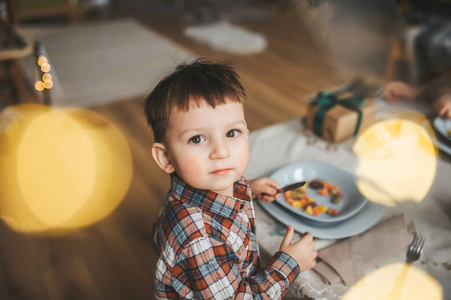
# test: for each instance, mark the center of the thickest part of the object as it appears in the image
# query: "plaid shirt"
(209, 249)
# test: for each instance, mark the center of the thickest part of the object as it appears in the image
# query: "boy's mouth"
(221, 172)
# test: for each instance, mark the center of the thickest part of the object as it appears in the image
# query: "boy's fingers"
(266, 198)
(288, 236)
(305, 240)
(269, 193)
(388, 95)
(269, 190)
(313, 263)
(272, 183)
(307, 237)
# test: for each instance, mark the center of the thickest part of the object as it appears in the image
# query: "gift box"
(336, 116)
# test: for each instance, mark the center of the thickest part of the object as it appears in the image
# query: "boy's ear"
(160, 154)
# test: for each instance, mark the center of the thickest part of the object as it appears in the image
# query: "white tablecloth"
(280, 144)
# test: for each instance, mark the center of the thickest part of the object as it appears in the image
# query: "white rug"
(101, 63)
(227, 37)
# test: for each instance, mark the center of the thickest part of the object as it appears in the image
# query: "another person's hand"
(303, 251)
(397, 90)
(443, 106)
(264, 188)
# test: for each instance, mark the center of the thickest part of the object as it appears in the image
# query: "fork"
(415, 248)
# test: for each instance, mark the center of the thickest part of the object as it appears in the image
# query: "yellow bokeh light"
(65, 150)
(39, 86)
(47, 76)
(42, 60)
(396, 160)
(65, 168)
(48, 84)
(398, 281)
(45, 67)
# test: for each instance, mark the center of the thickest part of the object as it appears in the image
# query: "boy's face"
(207, 147)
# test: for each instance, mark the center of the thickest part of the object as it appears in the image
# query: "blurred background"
(96, 60)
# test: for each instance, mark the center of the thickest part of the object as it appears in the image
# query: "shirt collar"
(211, 202)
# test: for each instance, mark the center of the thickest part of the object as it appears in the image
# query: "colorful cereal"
(298, 198)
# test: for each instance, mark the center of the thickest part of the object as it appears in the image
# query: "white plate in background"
(443, 126)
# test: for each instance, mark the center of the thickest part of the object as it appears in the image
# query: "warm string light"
(46, 82)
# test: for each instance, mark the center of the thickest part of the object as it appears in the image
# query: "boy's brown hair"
(214, 82)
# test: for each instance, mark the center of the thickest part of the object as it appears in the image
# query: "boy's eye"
(196, 139)
(233, 133)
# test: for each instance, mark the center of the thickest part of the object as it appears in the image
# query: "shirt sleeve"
(209, 269)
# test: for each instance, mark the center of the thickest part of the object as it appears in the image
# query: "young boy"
(206, 230)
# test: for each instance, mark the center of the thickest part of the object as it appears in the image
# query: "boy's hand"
(303, 251)
(397, 90)
(443, 106)
(264, 188)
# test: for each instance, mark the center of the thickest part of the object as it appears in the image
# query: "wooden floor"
(115, 258)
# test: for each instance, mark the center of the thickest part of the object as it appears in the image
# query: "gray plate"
(369, 215)
(351, 203)
(444, 142)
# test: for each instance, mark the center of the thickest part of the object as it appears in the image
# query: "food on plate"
(336, 197)
(332, 212)
(316, 184)
(298, 198)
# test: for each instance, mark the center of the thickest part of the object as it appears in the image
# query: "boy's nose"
(219, 151)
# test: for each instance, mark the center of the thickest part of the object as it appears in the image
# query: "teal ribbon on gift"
(326, 101)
